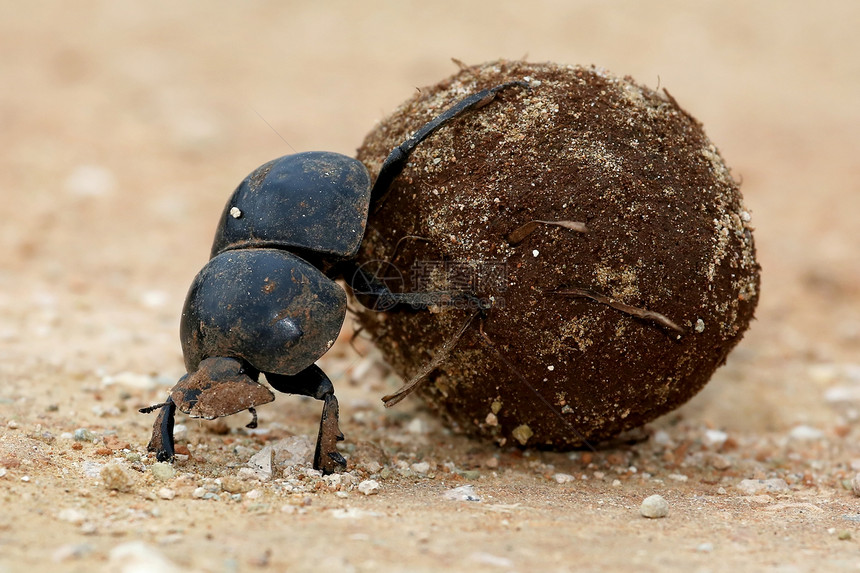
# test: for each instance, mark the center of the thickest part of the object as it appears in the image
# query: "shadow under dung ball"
(602, 225)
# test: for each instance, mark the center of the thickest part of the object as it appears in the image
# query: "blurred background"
(124, 126)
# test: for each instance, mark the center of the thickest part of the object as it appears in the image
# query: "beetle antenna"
(154, 407)
(396, 160)
(275, 130)
(528, 385)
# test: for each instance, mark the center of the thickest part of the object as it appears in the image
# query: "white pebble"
(677, 477)
(2, 472)
(421, 467)
(462, 493)
(705, 547)
(417, 426)
(535, 253)
(166, 493)
(715, 438)
(199, 493)
(369, 487)
(180, 432)
(700, 326)
(805, 433)
(563, 478)
(654, 506)
(754, 486)
(235, 212)
(71, 515)
(254, 494)
(138, 557)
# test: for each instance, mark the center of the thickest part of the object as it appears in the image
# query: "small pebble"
(254, 494)
(705, 547)
(2, 472)
(715, 438)
(199, 493)
(84, 435)
(180, 432)
(116, 478)
(563, 478)
(421, 467)
(844, 535)
(720, 462)
(805, 433)
(462, 493)
(74, 516)
(333, 481)
(522, 434)
(12, 425)
(755, 486)
(139, 557)
(678, 477)
(654, 506)
(855, 485)
(162, 471)
(232, 484)
(369, 487)
(166, 493)
(417, 426)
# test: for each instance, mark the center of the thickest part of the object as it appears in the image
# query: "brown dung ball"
(602, 225)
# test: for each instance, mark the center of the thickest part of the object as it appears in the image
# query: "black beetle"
(267, 302)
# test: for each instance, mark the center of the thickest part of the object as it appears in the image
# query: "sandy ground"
(124, 127)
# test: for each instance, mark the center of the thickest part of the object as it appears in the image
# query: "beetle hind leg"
(313, 382)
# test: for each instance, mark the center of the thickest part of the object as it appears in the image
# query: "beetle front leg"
(313, 382)
(161, 441)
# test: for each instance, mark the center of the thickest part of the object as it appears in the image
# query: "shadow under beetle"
(267, 302)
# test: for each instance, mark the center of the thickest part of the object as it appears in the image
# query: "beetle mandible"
(266, 302)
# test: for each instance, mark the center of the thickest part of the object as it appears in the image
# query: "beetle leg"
(313, 382)
(161, 441)
(396, 160)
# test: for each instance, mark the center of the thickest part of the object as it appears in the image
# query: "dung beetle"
(266, 302)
